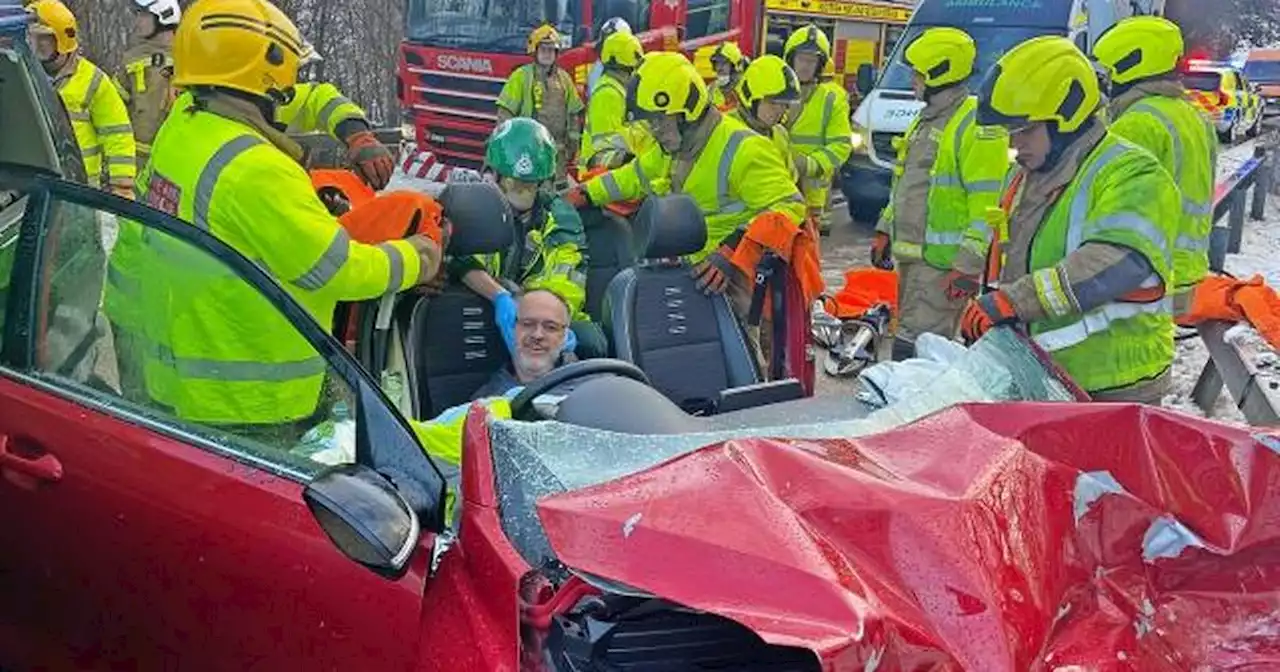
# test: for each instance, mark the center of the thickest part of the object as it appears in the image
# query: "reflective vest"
(968, 170)
(822, 133)
(736, 176)
(217, 352)
(100, 122)
(1187, 146)
(524, 95)
(144, 85)
(724, 98)
(604, 132)
(781, 142)
(317, 107)
(1120, 196)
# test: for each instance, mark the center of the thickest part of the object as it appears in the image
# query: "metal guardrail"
(1255, 391)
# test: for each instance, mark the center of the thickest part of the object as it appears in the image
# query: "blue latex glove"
(570, 341)
(504, 309)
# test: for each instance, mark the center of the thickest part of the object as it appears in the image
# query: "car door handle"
(42, 466)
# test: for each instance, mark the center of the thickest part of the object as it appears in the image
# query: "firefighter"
(1150, 109)
(549, 247)
(1085, 258)
(217, 352)
(736, 177)
(948, 172)
(606, 139)
(98, 115)
(147, 68)
(820, 132)
(614, 25)
(544, 91)
(767, 90)
(729, 64)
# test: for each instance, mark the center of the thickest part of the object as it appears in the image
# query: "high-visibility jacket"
(1120, 196)
(442, 437)
(217, 351)
(606, 135)
(144, 84)
(724, 98)
(100, 121)
(550, 255)
(1187, 146)
(524, 96)
(968, 168)
(821, 133)
(736, 176)
(781, 140)
(317, 107)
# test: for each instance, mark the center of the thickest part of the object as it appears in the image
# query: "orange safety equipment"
(1231, 300)
(865, 288)
(374, 218)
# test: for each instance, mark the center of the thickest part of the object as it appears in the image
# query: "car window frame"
(381, 444)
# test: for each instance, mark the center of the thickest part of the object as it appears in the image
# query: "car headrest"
(482, 221)
(668, 226)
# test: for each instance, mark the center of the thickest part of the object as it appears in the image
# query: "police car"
(1224, 93)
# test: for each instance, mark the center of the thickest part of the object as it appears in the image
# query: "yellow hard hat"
(666, 83)
(808, 38)
(768, 77)
(621, 50)
(1043, 79)
(1139, 48)
(942, 56)
(246, 45)
(544, 33)
(53, 18)
(730, 53)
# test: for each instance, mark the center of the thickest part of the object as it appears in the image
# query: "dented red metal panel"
(987, 537)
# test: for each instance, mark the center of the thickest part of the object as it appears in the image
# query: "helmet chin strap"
(1059, 142)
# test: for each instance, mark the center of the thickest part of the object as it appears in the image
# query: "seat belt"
(770, 281)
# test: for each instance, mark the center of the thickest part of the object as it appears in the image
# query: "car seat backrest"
(608, 252)
(455, 348)
(689, 344)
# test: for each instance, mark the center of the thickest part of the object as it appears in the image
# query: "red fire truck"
(458, 53)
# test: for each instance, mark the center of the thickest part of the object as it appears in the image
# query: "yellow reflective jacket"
(1186, 145)
(549, 256)
(822, 135)
(217, 351)
(144, 84)
(781, 140)
(607, 139)
(734, 175)
(442, 436)
(317, 107)
(100, 121)
(523, 96)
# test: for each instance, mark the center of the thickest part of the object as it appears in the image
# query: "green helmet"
(522, 149)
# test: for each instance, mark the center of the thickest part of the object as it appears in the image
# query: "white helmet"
(167, 11)
(309, 54)
(615, 25)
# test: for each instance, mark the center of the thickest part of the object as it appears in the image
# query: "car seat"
(689, 344)
(608, 252)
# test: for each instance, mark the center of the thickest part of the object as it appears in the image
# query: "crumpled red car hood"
(986, 537)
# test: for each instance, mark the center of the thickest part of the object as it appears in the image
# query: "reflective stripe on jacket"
(821, 132)
(735, 176)
(1186, 145)
(522, 96)
(317, 107)
(965, 179)
(1120, 196)
(101, 123)
(217, 352)
(551, 256)
(604, 132)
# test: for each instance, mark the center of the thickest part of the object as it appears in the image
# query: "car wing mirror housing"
(365, 517)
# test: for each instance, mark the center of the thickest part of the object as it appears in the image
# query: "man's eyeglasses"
(550, 326)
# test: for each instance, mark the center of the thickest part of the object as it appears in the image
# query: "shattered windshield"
(534, 460)
(501, 26)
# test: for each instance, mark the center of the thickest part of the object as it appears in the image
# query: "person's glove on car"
(959, 285)
(371, 158)
(504, 314)
(984, 313)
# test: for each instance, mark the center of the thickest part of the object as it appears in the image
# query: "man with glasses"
(542, 339)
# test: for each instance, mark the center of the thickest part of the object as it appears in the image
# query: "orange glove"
(371, 158)
(958, 286)
(577, 196)
(985, 312)
(882, 252)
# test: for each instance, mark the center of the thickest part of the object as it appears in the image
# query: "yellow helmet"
(1139, 48)
(544, 33)
(808, 38)
(53, 18)
(246, 45)
(666, 83)
(942, 56)
(730, 53)
(768, 77)
(1043, 79)
(621, 50)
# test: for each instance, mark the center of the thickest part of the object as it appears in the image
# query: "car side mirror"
(365, 517)
(866, 79)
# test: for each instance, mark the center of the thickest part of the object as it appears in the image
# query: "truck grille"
(472, 97)
(454, 112)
